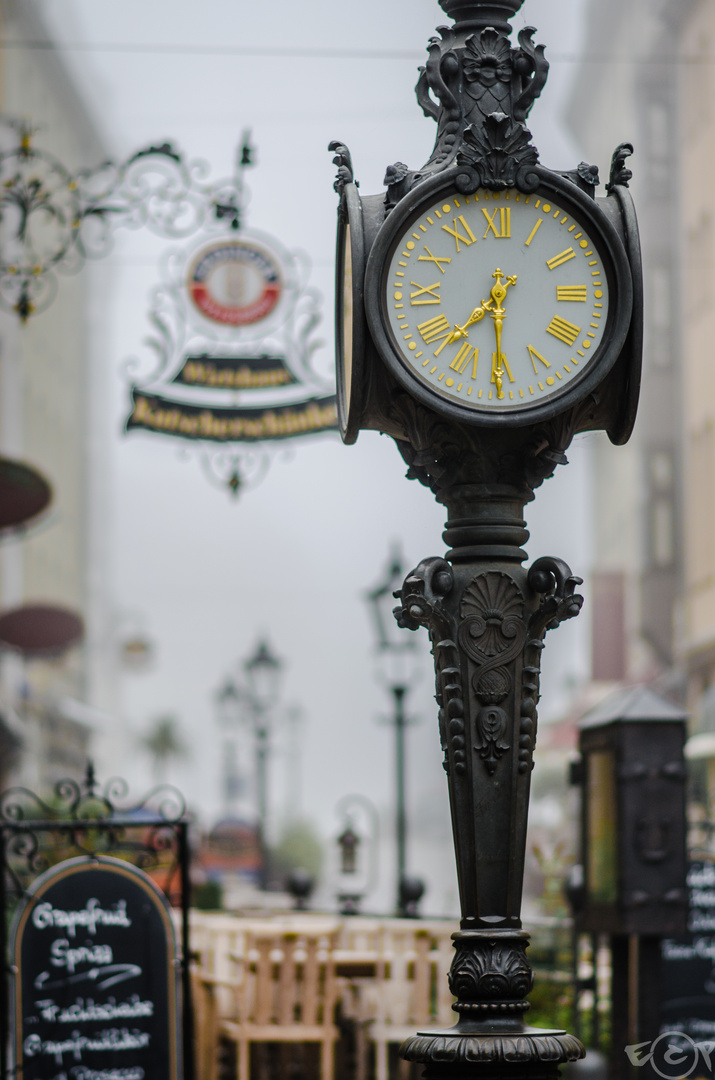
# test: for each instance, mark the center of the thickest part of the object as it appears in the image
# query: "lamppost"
(489, 309)
(398, 669)
(254, 704)
(229, 712)
(263, 677)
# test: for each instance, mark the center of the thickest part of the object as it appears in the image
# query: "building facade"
(51, 417)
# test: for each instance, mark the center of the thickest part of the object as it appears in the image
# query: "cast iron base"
(492, 1050)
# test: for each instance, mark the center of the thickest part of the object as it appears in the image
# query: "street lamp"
(263, 673)
(230, 702)
(398, 669)
(252, 703)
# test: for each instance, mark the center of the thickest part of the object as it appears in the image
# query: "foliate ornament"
(551, 579)
(500, 154)
(490, 970)
(344, 162)
(620, 174)
(462, 86)
(422, 603)
(492, 634)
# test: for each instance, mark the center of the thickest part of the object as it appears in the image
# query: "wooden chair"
(411, 989)
(284, 992)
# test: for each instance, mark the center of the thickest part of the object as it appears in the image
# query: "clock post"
(488, 309)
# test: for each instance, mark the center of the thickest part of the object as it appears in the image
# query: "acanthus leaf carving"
(422, 604)
(501, 154)
(621, 175)
(344, 161)
(492, 634)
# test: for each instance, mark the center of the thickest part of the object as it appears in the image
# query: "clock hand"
(498, 313)
(463, 331)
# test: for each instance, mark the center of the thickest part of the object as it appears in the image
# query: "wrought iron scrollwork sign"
(89, 825)
(233, 321)
(54, 220)
(93, 820)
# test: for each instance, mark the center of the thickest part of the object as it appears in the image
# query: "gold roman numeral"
(532, 234)
(535, 355)
(463, 358)
(506, 367)
(428, 291)
(559, 260)
(434, 329)
(563, 330)
(467, 240)
(572, 293)
(436, 259)
(501, 225)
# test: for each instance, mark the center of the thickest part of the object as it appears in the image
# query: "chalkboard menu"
(95, 976)
(688, 962)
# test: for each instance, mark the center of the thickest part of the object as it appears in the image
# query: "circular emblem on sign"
(235, 282)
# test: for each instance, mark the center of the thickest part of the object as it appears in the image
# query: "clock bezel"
(350, 389)
(585, 210)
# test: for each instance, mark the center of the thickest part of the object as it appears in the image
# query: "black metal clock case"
(485, 89)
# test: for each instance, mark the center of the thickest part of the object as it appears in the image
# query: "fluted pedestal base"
(494, 1052)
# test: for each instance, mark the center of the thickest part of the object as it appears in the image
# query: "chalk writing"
(92, 916)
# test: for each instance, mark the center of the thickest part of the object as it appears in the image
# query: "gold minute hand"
(498, 313)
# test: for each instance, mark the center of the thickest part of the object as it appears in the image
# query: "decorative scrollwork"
(500, 153)
(466, 83)
(490, 970)
(422, 600)
(54, 220)
(620, 174)
(345, 166)
(84, 818)
(492, 634)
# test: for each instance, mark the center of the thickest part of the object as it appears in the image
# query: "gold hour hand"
(463, 331)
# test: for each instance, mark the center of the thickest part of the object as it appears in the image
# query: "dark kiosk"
(488, 310)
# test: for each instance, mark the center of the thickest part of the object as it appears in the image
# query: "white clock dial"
(497, 300)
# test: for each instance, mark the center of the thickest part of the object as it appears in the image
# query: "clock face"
(496, 302)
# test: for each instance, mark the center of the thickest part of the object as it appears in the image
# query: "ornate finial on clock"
(478, 87)
(475, 15)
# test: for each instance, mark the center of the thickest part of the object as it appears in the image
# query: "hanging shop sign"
(234, 343)
(231, 425)
(235, 282)
(95, 975)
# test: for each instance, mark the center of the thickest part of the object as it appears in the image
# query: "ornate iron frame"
(55, 220)
(86, 819)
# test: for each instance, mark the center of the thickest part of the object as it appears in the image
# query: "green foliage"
(208, 896)
(299, 847)
(163, 741)
(551, 1004)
